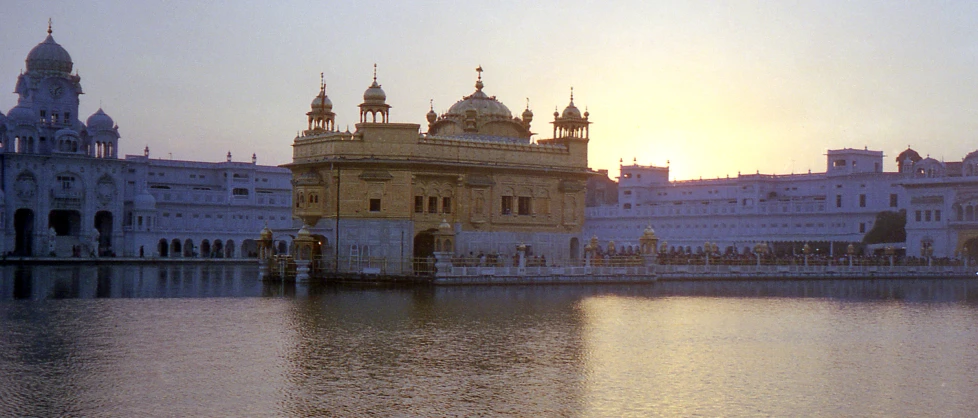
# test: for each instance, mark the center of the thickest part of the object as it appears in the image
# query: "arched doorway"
(249, 248)
(175, 248)
(319, 245)
(24, 227)
(103, 224)
(424, 250)
(188, 248)
(229, 249)
(163, 247)
(282, 248)
(575, 248)
(205, 249)
(65, 222)
(218, 249)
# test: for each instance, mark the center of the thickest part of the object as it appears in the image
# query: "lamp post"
(927, 251)
(706, 250)
(851, 250)
(649, 247)
(759, 250)
(889, 251)
(807, 249)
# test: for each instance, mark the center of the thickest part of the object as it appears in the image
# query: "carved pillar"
(265, 253)
(521, 250)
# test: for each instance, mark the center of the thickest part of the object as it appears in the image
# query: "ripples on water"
(214, 341)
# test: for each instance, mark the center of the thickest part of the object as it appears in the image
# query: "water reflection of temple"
(128, 281)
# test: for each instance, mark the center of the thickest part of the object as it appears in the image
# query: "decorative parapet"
(571, 186)
(479, 180)
(376, 175)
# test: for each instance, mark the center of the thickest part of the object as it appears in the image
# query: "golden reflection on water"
(683, 356)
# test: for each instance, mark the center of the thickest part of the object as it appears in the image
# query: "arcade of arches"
(187, 248)
(67, 228)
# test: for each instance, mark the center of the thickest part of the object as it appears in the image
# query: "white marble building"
(203, 209)
(943, 199)
(827, 210)
(67, 193)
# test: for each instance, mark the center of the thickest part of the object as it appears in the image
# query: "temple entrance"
(424, 250)
(575, 248)
(24, 227)
(65, 222)
(103, 224)
(163, 248)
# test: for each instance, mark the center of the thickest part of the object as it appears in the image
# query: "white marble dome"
(21, 115)
(144, 201)
(48, 56)
(99, 121)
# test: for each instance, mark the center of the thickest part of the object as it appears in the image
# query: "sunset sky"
(712, 87)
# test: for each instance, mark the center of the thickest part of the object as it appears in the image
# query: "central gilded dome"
(479, 116)
(483, 104)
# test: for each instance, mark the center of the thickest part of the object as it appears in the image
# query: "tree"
(889, 227)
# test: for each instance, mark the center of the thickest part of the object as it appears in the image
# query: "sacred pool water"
(197, 340)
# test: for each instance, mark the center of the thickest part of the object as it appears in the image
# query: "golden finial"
(375, 72)
(322, 81)
(478, 83)
(49, 26)
(572, 94)
(527, 103)
(431, 105)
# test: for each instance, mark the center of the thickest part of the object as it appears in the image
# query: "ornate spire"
(572, 95)
(49, 26)
(375, 73)
(431, 105)
(322, 82)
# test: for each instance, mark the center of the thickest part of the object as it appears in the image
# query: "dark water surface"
(214, 341)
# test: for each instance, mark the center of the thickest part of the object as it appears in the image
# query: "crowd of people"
(678, 258)
(633, 258)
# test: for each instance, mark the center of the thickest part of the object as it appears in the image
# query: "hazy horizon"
(715, 88)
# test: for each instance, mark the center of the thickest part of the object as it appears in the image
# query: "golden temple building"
(476, 183)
